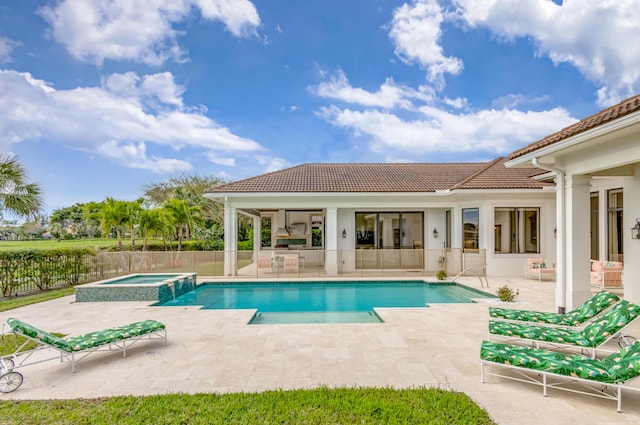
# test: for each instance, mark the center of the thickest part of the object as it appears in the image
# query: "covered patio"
(603, 149)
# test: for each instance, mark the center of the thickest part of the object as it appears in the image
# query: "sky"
(101, 97)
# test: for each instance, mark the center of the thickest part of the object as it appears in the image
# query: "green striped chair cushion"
(581, 314)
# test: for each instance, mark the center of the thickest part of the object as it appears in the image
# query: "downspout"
(560, 222)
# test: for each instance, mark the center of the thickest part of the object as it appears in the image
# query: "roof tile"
(406, 177)
(623, 108)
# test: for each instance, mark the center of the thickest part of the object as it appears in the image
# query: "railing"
(281, 264)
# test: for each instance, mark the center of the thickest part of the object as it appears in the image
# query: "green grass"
(54, 244)
(9, 303)
(316, 406)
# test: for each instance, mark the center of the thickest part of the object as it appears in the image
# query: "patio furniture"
(606, 274)
(291, 262)
(599, 378)
(591, 337)
(538, 268)
(265, 262)
(576, 317)
(73, 348)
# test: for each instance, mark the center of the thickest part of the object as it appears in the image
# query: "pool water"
(141, 279)
(351, 298)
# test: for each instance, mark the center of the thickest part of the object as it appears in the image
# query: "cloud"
(217, 159)
(389, 95)
(495, 132)
(138, 31)
(415, 31)
(122, 119)
(6, 49)
(272, 163)
(595, 36)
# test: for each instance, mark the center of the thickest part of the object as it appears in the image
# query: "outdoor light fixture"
(435, 233)
(635, 230)
(555, 232)
(344, 233)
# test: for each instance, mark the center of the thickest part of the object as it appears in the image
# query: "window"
(389, 230)
(470, 228)
(317, 229)
(614, 225)
(515, 230)
(265, 235)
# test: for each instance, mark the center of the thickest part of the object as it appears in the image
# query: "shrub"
(506, 294)
(441, 275)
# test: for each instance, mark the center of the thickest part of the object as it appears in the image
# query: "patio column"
(631, 246)
(577, 240)
(331, 242)
(257, 234)
(230, 239)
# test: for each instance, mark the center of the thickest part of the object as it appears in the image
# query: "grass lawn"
(54, 244)
(316, 406)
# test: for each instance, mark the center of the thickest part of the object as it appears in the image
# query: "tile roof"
(406, 177)
(612, 113)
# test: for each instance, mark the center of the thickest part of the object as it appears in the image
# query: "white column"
(577, 240)
(257, 234)
(331, 242)
(230, 239)
(631, 246)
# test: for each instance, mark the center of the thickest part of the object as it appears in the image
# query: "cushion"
(548, 361)
(89, 340)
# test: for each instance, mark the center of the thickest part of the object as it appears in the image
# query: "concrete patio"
(216, 351)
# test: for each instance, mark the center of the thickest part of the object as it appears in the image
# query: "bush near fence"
(32, 270)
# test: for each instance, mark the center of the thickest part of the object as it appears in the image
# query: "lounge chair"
(75, 348)
(591, 337)
(600, 378)
(265, 262)
(576, 317)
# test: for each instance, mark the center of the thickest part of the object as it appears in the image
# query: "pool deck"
(216, 351)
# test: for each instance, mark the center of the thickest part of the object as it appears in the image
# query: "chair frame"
(21, 358)
(609, 391)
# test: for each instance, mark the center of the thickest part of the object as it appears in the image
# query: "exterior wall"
(432, 206)
(632, 246)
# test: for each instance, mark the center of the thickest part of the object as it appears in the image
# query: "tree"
(114, 215)
(182, 216)
(133, 213)
(17, 195)
(152, 221)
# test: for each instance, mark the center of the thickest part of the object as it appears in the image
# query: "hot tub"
(156, 287)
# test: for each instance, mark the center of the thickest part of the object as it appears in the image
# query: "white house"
(569, 198)
(365, 217)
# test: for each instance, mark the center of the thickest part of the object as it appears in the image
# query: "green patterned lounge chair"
(603, 378)
(591, 337)
(74, 348)
(576, 317)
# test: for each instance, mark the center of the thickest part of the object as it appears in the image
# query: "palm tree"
(114, 214)
(133, 217)
(183, 217)
(152, 221)
(17, 195)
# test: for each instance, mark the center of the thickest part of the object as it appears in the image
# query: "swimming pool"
(137, 287)
(353, 298)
